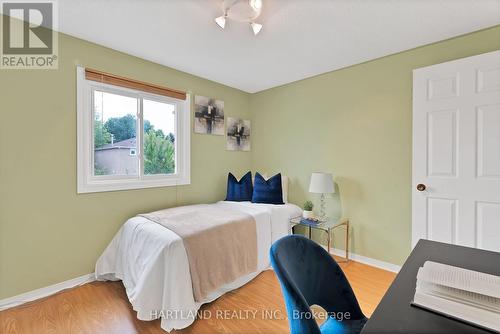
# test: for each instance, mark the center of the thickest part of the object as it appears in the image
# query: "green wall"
(356, 123)
(49, 233)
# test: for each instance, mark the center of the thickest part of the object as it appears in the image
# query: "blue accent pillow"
(267, 191)
(239, 191)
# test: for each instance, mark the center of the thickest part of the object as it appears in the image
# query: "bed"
(152, 263)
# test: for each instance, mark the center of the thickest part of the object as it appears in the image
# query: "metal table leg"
(347, 241)
(346, 225)
(329, 240)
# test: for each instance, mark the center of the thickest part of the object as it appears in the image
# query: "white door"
(456, 152)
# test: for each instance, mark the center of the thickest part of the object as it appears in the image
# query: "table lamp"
(322, 183)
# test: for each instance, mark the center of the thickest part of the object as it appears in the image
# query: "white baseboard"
(52, 289)
(367, 260)
(44, 292)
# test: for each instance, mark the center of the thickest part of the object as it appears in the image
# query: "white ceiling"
(300, 38)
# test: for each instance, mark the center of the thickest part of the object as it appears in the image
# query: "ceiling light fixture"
(241, 11)
(256, 4)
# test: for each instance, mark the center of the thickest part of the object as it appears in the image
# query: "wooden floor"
(103, 307)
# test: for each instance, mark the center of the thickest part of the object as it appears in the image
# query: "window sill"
(95, 186)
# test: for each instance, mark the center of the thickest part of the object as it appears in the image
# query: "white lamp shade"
(321, 183)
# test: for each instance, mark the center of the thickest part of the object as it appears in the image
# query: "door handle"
(421, 187)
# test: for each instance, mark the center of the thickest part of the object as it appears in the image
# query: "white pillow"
(284, 185)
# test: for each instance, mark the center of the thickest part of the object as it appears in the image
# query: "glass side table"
(327, 226)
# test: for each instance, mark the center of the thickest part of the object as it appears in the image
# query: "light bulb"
(221, 21)
(256, 27)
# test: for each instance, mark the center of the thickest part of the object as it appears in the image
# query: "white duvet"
(152, 263)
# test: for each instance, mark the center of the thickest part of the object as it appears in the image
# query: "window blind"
(111, 79)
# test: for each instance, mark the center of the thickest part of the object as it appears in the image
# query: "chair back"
(308, 275)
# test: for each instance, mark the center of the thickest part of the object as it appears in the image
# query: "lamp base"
(322, 206)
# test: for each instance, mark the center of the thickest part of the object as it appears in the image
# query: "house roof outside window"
(124, 144)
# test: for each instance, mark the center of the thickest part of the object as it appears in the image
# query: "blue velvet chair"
(310, 276)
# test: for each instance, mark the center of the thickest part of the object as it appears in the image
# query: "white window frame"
(88, 182)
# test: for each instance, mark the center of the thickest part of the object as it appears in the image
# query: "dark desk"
(394, 313)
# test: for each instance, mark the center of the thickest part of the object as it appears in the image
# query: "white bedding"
(152, 263)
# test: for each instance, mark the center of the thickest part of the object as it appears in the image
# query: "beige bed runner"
(221, 243)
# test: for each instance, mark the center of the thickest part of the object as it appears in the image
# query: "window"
(131, 135)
